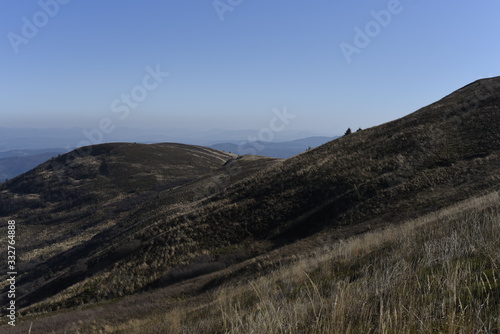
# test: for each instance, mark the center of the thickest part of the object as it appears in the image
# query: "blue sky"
(231, 73)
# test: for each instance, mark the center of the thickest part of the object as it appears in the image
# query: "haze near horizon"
(234, 65)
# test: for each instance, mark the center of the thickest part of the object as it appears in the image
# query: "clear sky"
(333, 64)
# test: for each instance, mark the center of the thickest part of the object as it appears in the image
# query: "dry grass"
(437, 156)
(436, 274)
(440, 273)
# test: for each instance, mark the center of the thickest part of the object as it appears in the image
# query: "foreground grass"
(438, 274)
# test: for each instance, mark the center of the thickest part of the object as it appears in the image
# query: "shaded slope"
(432, 158)
(441, 153)
(74, 196)
(404, 265)
(67, 230)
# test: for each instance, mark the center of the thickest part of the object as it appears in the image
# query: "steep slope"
(441, 154)
(72, 197)
(78, 202)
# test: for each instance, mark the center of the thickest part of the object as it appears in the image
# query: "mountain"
(26, 139)
(282, 150)
(85, 187)
(179, 220)
(71, 204)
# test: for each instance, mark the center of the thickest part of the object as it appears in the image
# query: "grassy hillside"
(438, 273)
(129, 219)
(83, 217)
(437, 156)
(71, 195)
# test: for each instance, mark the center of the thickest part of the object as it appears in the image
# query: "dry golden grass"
(210, 201)
(437, 274)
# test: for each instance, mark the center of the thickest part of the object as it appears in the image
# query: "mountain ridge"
(434, 157)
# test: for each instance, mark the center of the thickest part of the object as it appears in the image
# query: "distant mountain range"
(19, 161)
(282, 150)
(22, 149)
(28, 138)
